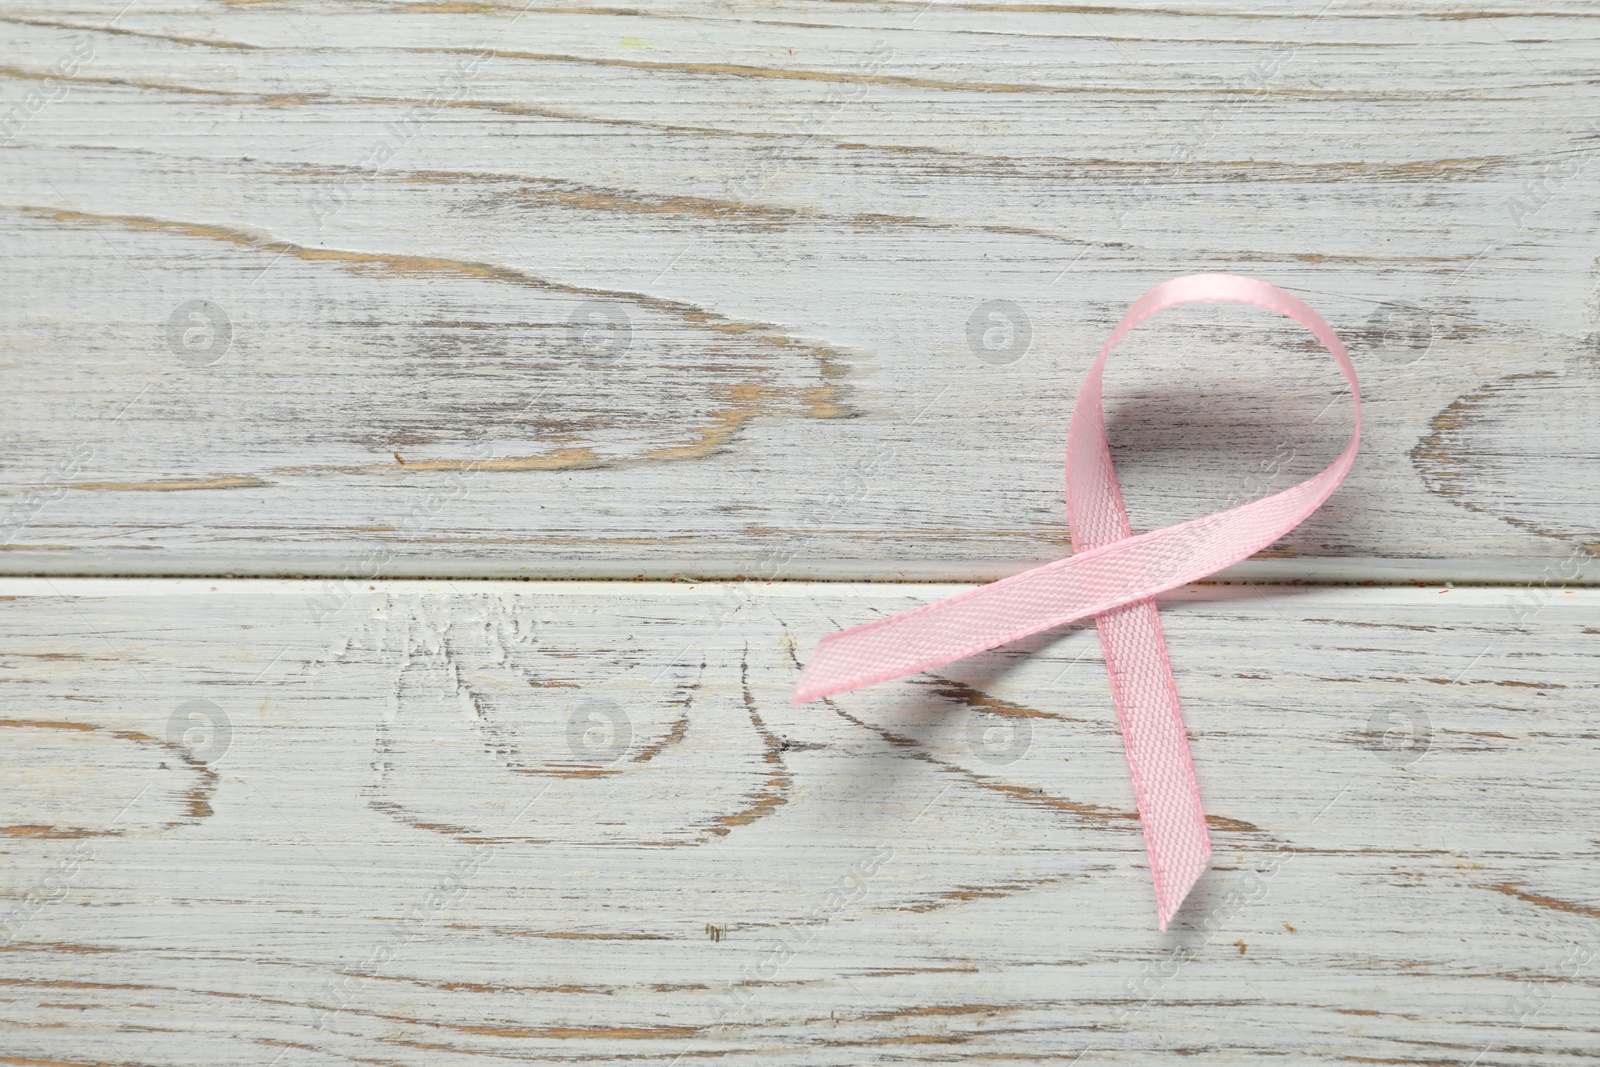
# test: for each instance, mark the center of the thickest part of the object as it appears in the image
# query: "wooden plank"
(424, 289)
(478, 822)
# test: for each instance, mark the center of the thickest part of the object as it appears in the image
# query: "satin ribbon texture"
(1112, 576)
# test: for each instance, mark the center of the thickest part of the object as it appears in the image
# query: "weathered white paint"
(345, 821)
(402, 841)
(797, 207)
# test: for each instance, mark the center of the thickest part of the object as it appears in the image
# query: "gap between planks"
(95, 588)
(1569, 570)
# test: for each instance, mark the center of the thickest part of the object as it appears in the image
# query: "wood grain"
(491, 290)
(547, 822)
(789, 289)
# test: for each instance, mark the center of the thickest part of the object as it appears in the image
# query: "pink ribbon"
(1112, 576)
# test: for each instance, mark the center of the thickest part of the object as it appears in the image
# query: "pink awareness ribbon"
(1113, 576)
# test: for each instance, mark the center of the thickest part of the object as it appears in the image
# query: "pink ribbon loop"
(1113, 577)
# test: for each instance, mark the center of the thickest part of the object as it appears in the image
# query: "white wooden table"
(733, 325)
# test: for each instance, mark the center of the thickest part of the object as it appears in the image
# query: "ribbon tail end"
(823, 675)
(1176, 880)
(809, 687)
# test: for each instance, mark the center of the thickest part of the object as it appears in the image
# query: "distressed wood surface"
(497, 822)
(479, 289)
(789, 289)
